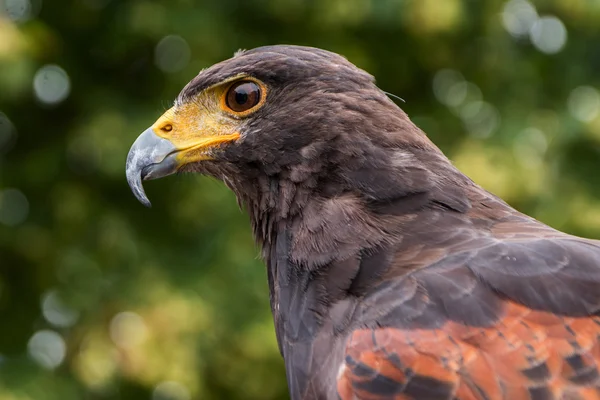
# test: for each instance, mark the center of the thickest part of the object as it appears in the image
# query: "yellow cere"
(197, 126)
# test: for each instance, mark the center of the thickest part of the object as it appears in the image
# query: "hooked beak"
(179, 137)
(150, 157)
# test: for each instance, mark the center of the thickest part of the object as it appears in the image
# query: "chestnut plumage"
(391, 274)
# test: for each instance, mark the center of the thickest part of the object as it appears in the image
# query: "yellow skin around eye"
(205, 122)
(241, 114)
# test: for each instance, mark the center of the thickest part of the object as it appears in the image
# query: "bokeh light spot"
(518, 17)
(127, 329)
(473, 93)
(449, 87)
(17, 10)
(96, 362)
(172, 54)
(14, 207)
(431, 16)
(480, 118)
(584, 103)
(47, 348)
(549, 35)
(56, 311)
(51, 84)
(456, 94)
(170, 390)
(530, 146)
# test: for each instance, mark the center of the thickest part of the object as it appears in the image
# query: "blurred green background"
(101, 298)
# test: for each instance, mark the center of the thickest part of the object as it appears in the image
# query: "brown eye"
(242, 96)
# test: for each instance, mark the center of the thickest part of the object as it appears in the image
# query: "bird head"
(283, 124)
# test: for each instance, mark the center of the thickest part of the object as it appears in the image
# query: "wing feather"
(516, 319)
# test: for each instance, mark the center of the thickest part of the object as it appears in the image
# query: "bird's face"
(195, 130)
(266, 109)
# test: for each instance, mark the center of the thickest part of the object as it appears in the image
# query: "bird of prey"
(391, 274)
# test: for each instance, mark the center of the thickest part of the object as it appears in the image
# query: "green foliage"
(101, 298)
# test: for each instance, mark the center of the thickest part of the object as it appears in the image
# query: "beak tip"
(149, 158)
(144, 200)
(138, 191)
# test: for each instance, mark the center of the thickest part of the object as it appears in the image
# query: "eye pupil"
(242, 96)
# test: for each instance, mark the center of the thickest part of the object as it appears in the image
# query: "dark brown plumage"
(391, 274)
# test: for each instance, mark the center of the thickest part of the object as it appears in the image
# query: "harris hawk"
(391, 274)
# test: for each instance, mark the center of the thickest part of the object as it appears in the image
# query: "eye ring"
(167, 128)
(243, 97)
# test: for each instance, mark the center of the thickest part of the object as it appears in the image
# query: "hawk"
(391, 274)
